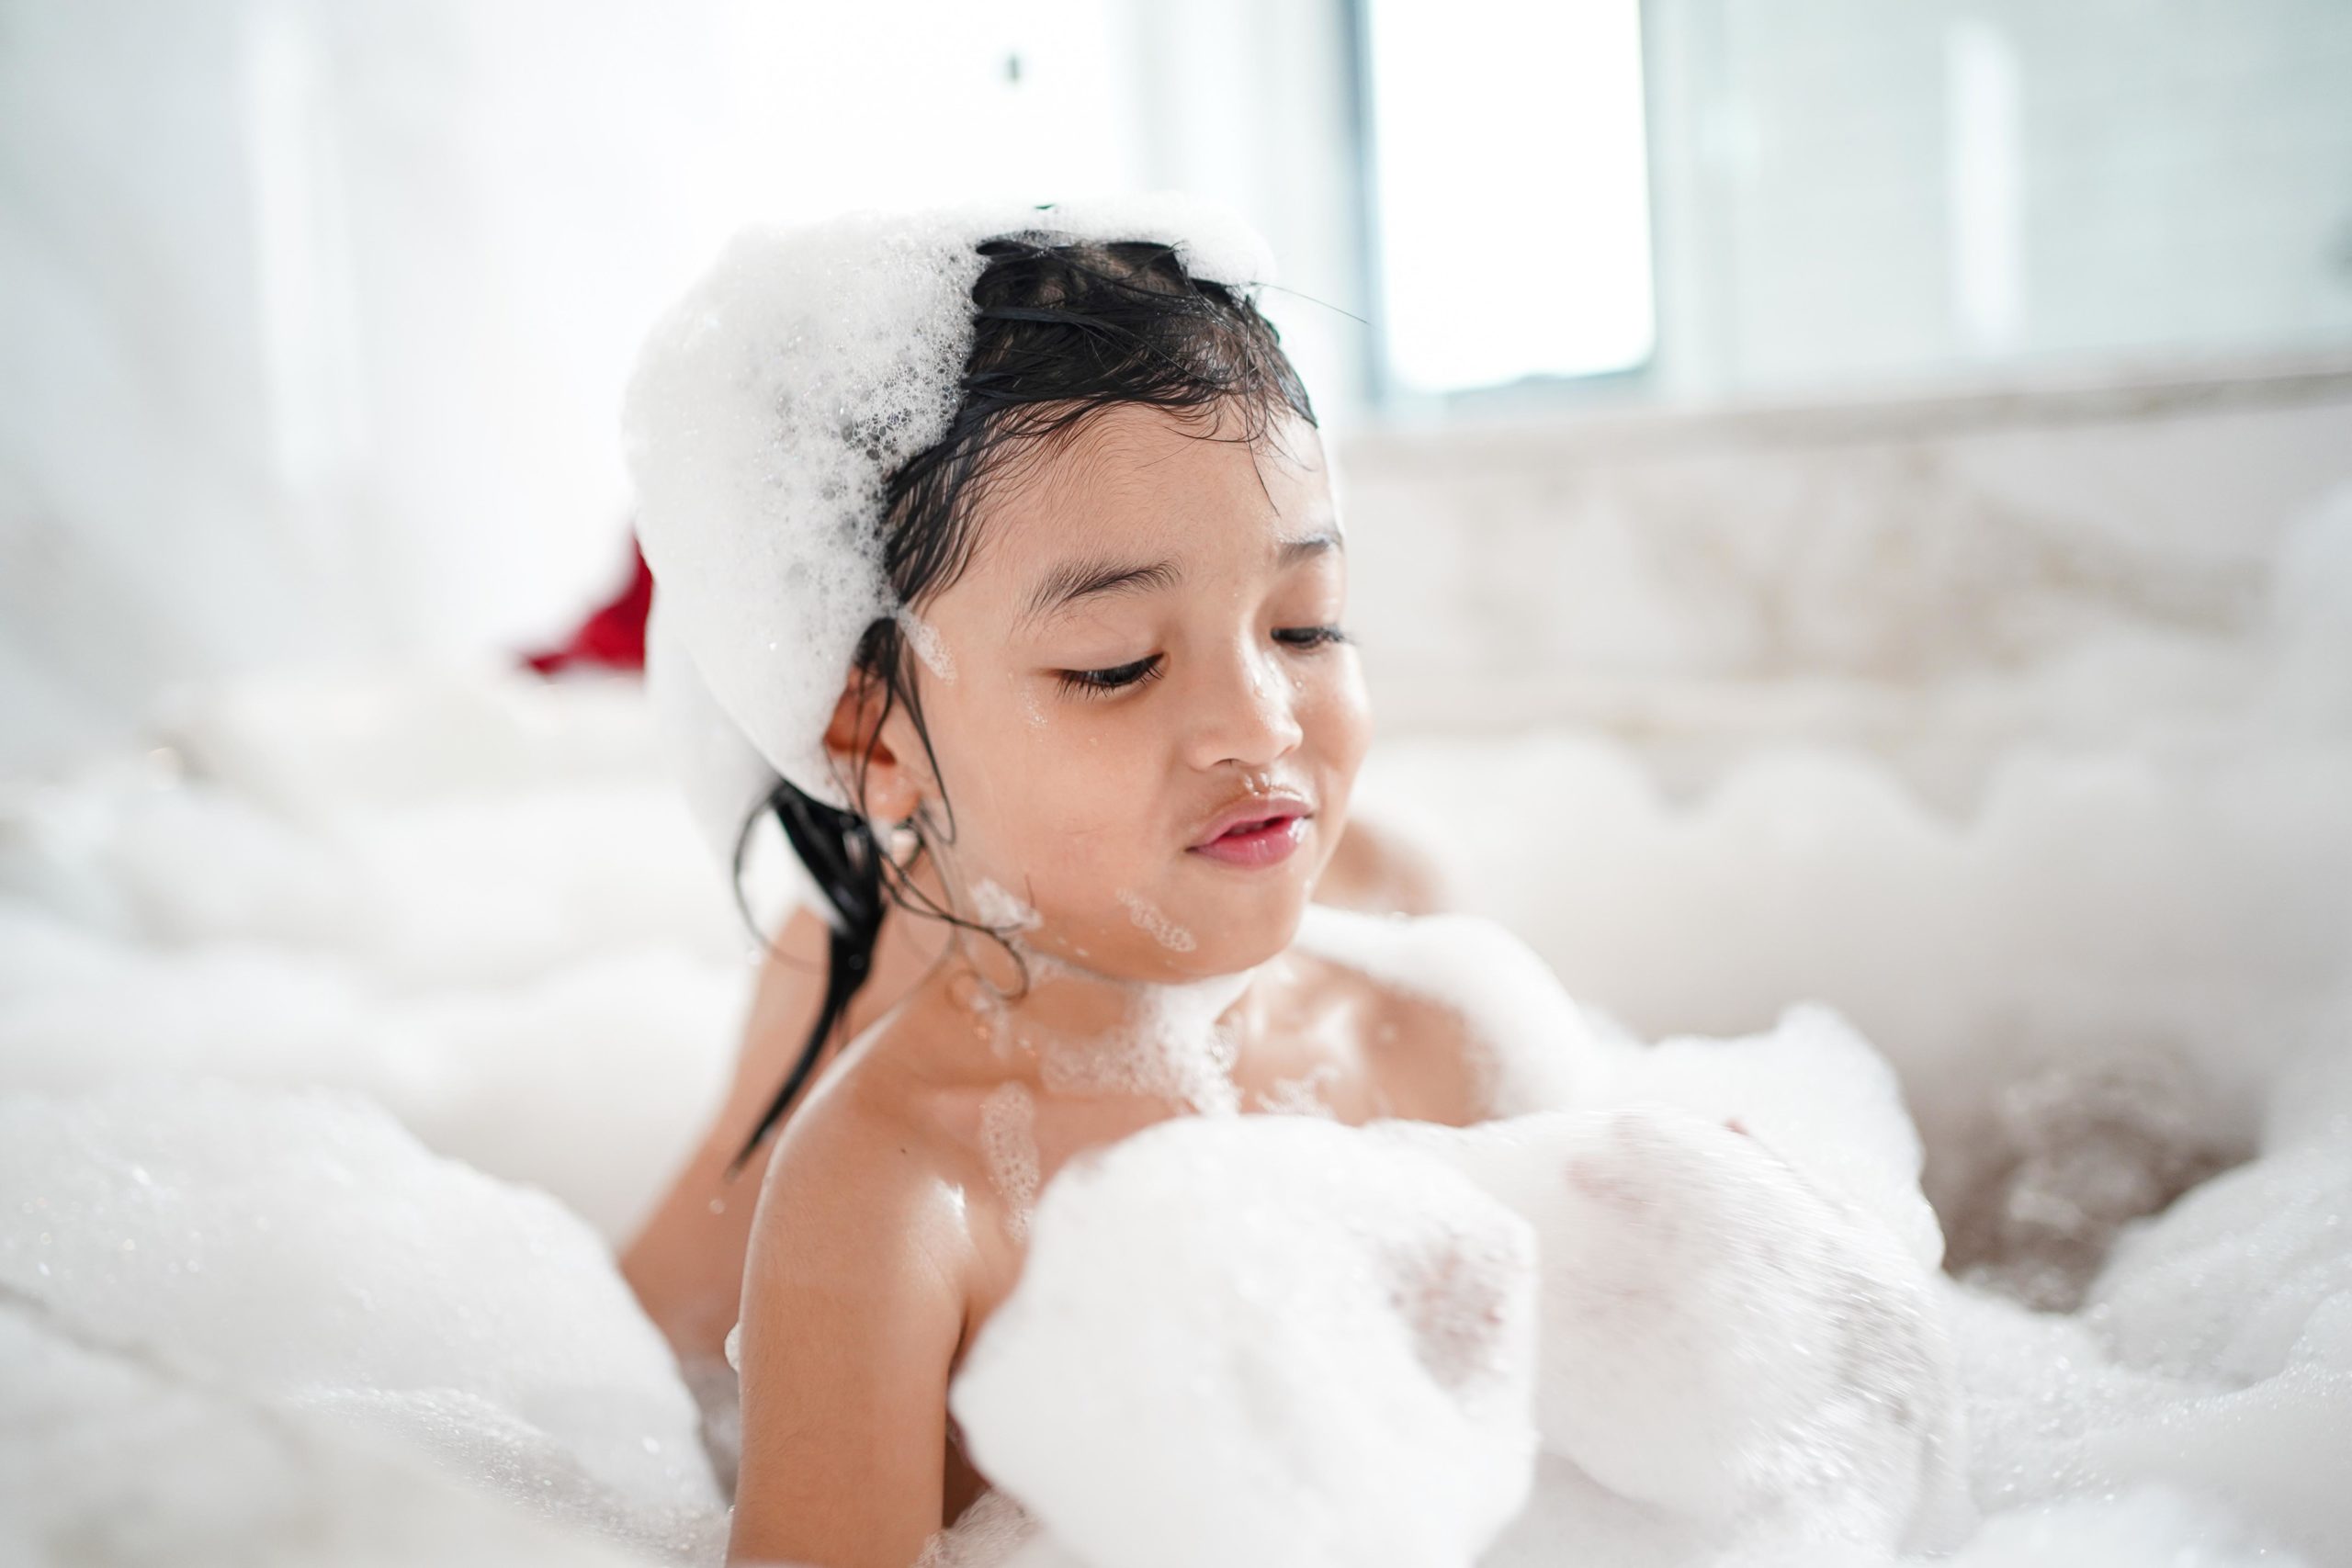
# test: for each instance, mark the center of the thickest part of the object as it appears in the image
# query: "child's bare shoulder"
(862, 1158)
(1467, 987)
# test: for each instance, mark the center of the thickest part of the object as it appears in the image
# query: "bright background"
(316, 313)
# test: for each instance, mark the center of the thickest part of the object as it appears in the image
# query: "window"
(1510, 189)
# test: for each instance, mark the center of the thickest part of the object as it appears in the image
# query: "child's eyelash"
(1094, 683)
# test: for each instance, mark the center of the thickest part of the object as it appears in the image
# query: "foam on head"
(772, 402)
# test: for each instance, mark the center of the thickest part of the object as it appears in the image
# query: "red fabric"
(613, 637)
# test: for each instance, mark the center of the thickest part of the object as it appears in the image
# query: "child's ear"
(856, 739)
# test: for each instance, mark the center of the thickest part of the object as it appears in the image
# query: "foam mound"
(1410, 1343)
(294, 1264)
(2102, 1021)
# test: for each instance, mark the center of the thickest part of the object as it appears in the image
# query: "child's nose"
(1244, 713)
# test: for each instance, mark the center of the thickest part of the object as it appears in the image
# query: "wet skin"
(1089, 748)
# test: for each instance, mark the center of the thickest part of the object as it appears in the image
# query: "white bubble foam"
(929, 646)
(1329, 1338)
(1719, 1351)
(998, 907)
(441, 891)
(1009, 1141)
(1148, 917)
(1532, 1046)
(408, 1297)
(1171, 1046)
(1300, 1096)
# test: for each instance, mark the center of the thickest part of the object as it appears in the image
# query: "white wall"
(1854, 190)
(1931, 579)
(317, 312)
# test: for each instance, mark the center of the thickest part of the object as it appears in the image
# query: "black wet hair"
(1064, 330)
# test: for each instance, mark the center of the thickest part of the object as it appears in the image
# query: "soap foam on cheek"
(1147, 918)
(1000, 909)
(929, 646)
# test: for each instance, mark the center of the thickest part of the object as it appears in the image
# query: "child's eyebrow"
(1076, 580)
(1287, 551)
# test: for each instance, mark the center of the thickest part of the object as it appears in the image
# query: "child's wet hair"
(1062, 331)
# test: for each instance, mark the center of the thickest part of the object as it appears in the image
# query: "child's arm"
(853, 1309)
(686, 1262)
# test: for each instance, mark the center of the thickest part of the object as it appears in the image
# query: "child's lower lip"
(1263, 844)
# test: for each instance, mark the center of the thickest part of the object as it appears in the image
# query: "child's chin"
(1248, 938)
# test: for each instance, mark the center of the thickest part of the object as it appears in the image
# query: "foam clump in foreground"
(1633, 1325)
(1743, 1349)
(1261, 1339)
(288, 1321)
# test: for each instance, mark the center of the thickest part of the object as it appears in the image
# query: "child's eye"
(1309, 636)
(1091, 680)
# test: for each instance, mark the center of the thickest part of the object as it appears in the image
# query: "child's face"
(1208, 684)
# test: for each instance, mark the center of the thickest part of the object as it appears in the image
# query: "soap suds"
(1000, 909)
(929, 646)
(1301, 1096)
(1172, 1048)
(1148, 917)
(1009, 1140)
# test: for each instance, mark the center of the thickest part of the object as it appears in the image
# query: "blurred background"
(1851, 499)
(316, 311)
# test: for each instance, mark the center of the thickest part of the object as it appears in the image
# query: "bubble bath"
(324, 1029)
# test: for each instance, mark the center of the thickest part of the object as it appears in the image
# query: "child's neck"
(1093, 1034)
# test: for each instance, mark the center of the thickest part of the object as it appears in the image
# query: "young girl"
(686, 1261)
(1045, 507)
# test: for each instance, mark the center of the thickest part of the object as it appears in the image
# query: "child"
(686, 1262)
(1013, 537)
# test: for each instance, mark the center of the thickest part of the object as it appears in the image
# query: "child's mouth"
(1261, 842)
